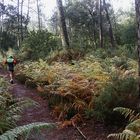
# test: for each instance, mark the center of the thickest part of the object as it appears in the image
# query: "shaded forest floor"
(93, 131)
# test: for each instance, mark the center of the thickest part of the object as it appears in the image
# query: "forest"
(75, 75)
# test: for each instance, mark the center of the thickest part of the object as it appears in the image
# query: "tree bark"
(100, 24)
(1, 15)
(18, 24)
(63, 28)
(112, 40)
(27, 17)
(38, 14)
(137, 5)
(21, 20)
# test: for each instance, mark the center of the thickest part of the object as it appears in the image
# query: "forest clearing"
(72, 76)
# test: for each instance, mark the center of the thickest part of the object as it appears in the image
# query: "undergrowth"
(84, 88)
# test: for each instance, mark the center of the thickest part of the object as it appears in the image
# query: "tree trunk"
(112, 40)
(21, 21)
(137, 5)
(38, 14)
(63, 28)
(1, 16)
(100, 24)
(27, 17)
(18, 28)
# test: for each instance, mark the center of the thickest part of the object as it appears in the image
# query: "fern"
(125, 135)
(128, 113)
(131, 131)
(24, 130)
(20, 105)
(134, 126)
(11, 109)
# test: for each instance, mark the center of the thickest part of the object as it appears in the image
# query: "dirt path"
(42, 114)
(39, 114)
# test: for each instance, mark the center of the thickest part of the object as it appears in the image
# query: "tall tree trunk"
(18, 28)
(2, 18)
(38, 14)
(27, 17)
(112, 40)
(1, 21)
(100, 24)
(21, 20)
(63, 28)
(3, 53)
(137, 5)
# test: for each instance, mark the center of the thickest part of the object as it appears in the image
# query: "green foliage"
(120, 92)
(89, 113)
(125, 135)
(11, 43)
(91, 86)
(128, 113)
(38, 44)
(126, 32)
(129, 51)
(120, 62)
(10, 32)
(24, 131)
(10, 110)
(131, 131)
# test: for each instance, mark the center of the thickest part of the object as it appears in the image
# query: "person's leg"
(11, 76)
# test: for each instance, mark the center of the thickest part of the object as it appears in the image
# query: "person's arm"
(15, 62)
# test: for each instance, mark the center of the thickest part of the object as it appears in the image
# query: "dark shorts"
(11, 71)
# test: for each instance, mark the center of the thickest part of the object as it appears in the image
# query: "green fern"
(134, 126)
(20, 104)
(131, 131)
(13, 134)
(125, 135)
(128, 113)
(11, 109)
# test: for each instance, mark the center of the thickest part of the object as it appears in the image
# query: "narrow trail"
(42, 114)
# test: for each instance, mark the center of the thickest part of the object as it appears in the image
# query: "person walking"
(11, 62)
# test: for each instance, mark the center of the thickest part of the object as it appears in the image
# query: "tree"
(110, 25)
(18, 36)
(27, 16)
(14, 26)
(137, 5)
(21, 20)
(38, 14)
(82, 21)
(100, 24)
(63, 28)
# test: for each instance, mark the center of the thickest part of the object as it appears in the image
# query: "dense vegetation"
(84, 64)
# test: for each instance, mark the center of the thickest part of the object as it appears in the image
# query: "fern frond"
(14, 133)
(134, 126)
(2, 100)
(70, 95)
(125, 135)
(118, 136)
(18, 107)
(128, 113)
(79, 104)
(5, 125)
